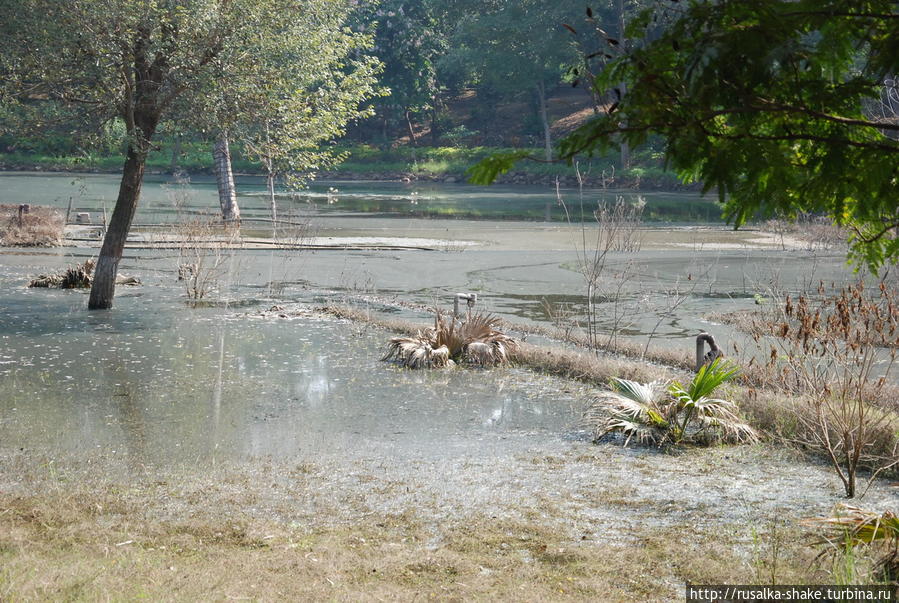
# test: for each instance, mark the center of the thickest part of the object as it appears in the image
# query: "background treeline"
(466, 77)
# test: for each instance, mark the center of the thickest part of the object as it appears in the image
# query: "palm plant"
(652, 414)
(476, 340)
(851, 526)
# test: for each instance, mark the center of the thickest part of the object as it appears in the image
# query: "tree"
(305, 81)
(769, 101)
(408, 39)
(310, 103)
(224, 178)
(145, 61)
(519, 45)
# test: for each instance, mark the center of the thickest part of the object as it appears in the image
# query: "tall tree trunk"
(107, 268)
(224, 176)
(435, 128)
(412, 138)
(544, 118)
(273, 205)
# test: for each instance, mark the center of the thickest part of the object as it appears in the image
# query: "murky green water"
(158, 381)
(164, 200)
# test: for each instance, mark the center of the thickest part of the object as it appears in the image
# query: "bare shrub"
(617, 230)
(204, 253)
(835, 353)
(562, 316)
(39, 226)
(812, 232)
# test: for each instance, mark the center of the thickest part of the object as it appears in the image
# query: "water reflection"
(169, 384)
(164, 200)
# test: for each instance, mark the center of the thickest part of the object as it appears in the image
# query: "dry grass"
(571, 364)
(41, 227)
(91, 543)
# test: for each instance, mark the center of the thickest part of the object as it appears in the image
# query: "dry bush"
(79, 276)
(41, 226)
(816, 233)
(204, 254)
(617, 230)
(834, 354)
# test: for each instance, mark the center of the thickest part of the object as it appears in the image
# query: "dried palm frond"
(475, 340)
(852, 526)
(484, 344)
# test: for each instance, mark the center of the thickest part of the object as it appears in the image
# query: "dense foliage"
(144, 63)
(782, 105)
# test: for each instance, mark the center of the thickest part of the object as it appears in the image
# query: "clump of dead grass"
(79, 276)
(564, 362)
(41, 226)
(475, 339)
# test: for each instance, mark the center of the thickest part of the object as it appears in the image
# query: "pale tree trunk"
(412, 138)
(544, 118)
(224, 176)
(273, 205)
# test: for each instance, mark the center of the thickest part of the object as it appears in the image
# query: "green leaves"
(689, 414)
(777, 104)
(709, 378)
(489, 169)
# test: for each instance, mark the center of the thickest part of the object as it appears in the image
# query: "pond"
(164, 390)
(164, 199)
(159, 383)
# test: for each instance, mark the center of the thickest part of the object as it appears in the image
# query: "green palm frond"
(709, 378)
(852, 526)
(631, 409)
(645, 393)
